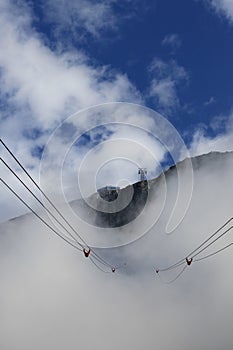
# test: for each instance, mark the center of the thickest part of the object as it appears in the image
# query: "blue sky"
(195, 36)
(59, 57)
(190, 33)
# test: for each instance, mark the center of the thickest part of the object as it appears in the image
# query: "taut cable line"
(97, 257)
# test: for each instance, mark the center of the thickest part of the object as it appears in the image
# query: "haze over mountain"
(51, 297)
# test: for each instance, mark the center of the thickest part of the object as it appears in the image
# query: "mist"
(51, 297)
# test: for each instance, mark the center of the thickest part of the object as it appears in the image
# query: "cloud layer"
(53, 298)
(167, 76)
(40, 86)
(223, 7)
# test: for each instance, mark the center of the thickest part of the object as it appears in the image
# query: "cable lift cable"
(39, 188)
(197, 250)
(51, 228)
(99, 258)
(41, 203)
(200, 259)
(214, 253)
(177, 276)
(98, 267)
(38, 216)
(208, 245)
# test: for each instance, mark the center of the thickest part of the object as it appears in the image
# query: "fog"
(51, 297)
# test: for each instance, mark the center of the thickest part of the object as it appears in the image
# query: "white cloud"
(53, 298)
(210, 101)
(74, 21)
(119, 158)
(223, 7)
(223, 141)
(41, 87)
(132, 132)
(166, 77)
(50, 85)
(76, 16)
(164, 90)
(172, 41)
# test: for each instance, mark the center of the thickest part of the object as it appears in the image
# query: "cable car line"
(41, 203)
(38, 216)
(57, 210)
(197, 250)
(39, 188)
(208, 245)
(179, 274)
(214, 253)
(173, 279)
(98, 267)
(190, 260)
(55, 231)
